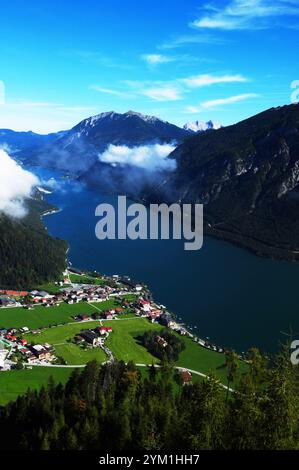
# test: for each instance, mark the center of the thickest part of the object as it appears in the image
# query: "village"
(77, 291)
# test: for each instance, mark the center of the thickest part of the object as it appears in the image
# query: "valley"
(43, 337)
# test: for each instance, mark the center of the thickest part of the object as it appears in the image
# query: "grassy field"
(73, 354)
(78, 279)
(61, 334)
(123, 341)
(205, 361)
(76, 355)
(124, 344)
(15, 383)
(41, 316)
(51, 288)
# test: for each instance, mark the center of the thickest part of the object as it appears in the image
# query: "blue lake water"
(226, 293)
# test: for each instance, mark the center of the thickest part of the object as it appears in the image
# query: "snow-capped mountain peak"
(201, 126)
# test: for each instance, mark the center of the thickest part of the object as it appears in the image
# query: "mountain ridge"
(78, 149)
(247, 177)
(201, 126)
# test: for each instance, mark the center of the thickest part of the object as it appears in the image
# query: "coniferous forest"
(116, 408)
(28, 255)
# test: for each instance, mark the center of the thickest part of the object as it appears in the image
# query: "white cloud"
(231, 99)
(156, 59)
(219, 102)
(110, 91)
(150, 157)
(206, 80)
(180, 41)
(246, 14)
(162, 94)
(16, 184)
(192, 109)
(175, 89)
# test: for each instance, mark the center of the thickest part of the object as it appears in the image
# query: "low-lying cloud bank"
(149, 157)
(16, 184)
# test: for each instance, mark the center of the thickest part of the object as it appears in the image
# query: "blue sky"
(62, 61)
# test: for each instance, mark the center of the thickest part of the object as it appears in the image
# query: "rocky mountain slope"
(20, 141)
(78, 149)
(247, 176)
(201, 126)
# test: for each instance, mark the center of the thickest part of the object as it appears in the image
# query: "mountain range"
(201, 126)
(247, 177)
(78, 149)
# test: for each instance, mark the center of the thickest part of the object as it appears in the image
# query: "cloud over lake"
(16, 184)
(150, 157)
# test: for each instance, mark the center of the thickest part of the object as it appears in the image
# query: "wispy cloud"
(189, 39)
(207, 79)
(162, 94)
(110, 91)
(224, 101)
(245, 14)
(156, 59)
(220, 102)
(174, 90)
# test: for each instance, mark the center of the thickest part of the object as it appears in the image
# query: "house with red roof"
(105, 330)
(108, 315)
(145, 305)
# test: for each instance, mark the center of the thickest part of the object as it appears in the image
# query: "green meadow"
(16, 382)
(41, 317)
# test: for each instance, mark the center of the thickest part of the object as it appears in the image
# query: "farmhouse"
(161, 341)
(104, 330)
(40, 352)
(186, 377)
(108, 315)
(166, 320)
(14, 293)
(145, 305)
(83, 317)
(7, 301)
(91, 337)
(40, 296)
(127, 281)
(119, 310)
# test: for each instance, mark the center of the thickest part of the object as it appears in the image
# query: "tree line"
(28, 257)
(116, 408)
